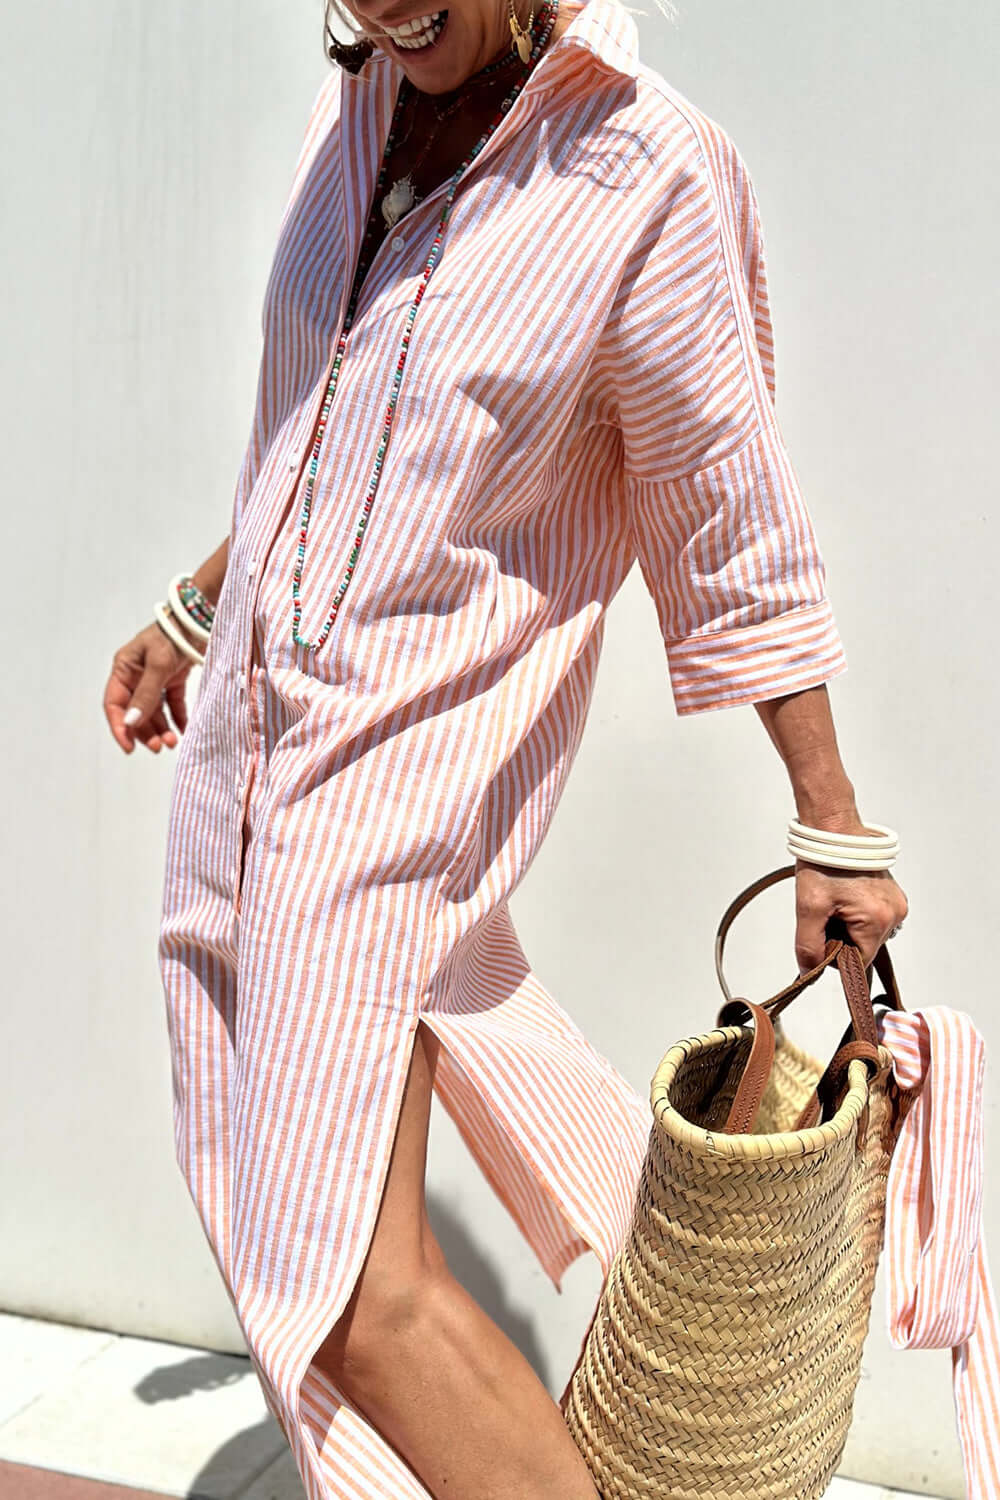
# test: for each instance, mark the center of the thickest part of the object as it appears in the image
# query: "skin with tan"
(413, 1350)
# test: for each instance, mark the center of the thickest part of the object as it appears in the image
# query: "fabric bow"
(939, 1292)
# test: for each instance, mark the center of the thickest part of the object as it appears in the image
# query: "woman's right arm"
(149, 673)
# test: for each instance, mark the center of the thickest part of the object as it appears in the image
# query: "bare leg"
(427, 1366)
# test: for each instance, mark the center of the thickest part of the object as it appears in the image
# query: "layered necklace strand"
(545, 22)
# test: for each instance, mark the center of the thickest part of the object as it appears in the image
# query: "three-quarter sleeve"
(721, 532)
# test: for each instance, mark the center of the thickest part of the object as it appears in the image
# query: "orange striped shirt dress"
(589, 383)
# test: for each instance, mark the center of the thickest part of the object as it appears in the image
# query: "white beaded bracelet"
(196, 628)
(878, 850)
(169, 628)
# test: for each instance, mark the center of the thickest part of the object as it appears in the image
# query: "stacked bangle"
(186, 608)
(190, 605)
(877, 850)
(195, 602)
(170, 628)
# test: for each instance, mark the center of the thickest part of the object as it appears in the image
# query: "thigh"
(403, 1239)
(403, 1248)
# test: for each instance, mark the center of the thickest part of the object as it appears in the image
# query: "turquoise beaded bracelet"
(191, 605)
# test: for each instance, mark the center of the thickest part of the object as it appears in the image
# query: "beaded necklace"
(546, 21)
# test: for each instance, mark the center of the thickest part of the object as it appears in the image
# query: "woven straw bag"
(724, 1352)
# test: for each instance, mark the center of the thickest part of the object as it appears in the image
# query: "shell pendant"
(522, 38)
(398, 200)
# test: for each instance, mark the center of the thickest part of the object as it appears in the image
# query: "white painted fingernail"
(133, 715)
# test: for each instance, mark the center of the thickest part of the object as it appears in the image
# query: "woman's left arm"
(801, 727)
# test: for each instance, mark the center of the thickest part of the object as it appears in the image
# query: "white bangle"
(830, 855)
(862, 856)
(844, 851)
(196, 628)
(880, 835)
(172, 630)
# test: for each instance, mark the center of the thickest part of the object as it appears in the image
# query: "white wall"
(149, 157)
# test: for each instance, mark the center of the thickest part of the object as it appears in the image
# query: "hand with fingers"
(148, 676)
(149, 673)
(868, 904)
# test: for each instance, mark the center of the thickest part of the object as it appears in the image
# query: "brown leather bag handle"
(860, 1040)
(757, 1069)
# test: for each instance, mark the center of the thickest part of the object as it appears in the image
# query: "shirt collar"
(604, 28)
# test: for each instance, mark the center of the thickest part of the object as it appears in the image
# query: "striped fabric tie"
(939, 1292)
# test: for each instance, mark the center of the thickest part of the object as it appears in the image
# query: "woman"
(555, 358)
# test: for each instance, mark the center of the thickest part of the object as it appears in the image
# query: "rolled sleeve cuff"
(798, 649)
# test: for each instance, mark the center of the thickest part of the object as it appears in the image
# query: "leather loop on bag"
(831, 1085)
(743, 1111)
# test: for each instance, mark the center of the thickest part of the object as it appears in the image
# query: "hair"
(334, 8)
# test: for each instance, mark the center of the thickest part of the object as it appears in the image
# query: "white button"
(241, 681)
(398, 242)
(251, 566)
(293, 460)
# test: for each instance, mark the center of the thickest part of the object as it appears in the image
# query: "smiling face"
(439, 49)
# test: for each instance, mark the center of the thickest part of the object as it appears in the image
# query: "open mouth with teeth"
(418, 35)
